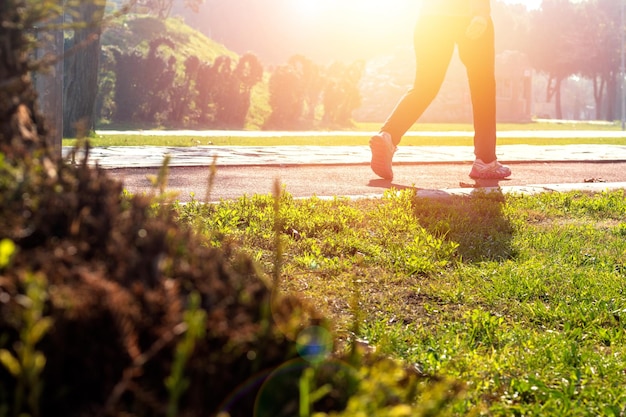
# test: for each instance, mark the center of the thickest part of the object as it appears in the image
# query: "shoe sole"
(381, 158)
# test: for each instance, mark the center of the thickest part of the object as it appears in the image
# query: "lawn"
(359, 136)
(518, 300)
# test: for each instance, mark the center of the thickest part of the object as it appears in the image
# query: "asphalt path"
(352, 180)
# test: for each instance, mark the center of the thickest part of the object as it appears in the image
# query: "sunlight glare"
(348, 10)
(310, 8)
(530, 4)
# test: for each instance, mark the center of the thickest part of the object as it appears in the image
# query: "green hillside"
(136, 31)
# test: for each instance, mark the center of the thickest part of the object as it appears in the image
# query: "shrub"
(119, 277)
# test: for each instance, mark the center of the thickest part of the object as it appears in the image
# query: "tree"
(158, 74)
(286, 98)
(184, 94)
(247, 74)
(81, 66)
(602, 30)
(341, 94)
(205, 79)
(22, 130)
(511, 22)
(295, 90)
(553, 45)
(82, 63)
(144, 85)
(163, 8)
(221, 88)
(127, 97)
(312, 84)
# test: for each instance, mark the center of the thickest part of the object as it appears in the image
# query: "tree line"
(150, 88)
(582, 39)
(565, 38)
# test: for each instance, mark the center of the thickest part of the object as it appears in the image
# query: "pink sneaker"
(382, 153)
(492, 171)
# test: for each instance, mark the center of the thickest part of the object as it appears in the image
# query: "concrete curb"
(527, 189)
(513, 190)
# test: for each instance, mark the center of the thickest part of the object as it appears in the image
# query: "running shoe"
(382, 153)
(492, 171)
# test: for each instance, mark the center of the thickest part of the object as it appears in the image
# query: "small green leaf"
(39, 362)
(10, 362)
(7, 249)
(39, 329)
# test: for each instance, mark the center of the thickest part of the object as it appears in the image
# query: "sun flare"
(346, 9)
(351, 27)
(310, 8)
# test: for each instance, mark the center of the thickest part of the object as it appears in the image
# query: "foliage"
(80, 63)
(26, 363)
(21, 124)
(119, 272)
(578, 38)
(294, 93)
(298, 87)
(553, 29)
(211, 94)
(162, 8)
(171, 82)
(341, 93)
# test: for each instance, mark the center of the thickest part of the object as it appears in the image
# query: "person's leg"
(478, 56)
(434, 44)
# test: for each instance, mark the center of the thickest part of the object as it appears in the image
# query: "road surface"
(232, 182)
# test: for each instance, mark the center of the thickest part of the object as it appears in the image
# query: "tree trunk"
(21, 125)
(557, 100)
(598, 95)
(611, 97)
(554, 90)
(81, 72)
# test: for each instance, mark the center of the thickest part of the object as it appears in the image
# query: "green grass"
(361, 136)
(518, 298)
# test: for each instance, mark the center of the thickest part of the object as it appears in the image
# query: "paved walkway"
(152, 156)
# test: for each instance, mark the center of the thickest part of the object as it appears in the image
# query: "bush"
(117, 275)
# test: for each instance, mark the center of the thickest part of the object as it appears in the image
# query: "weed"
(25, 362)
(194, 320)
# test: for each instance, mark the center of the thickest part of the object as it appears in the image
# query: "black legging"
(435, 38)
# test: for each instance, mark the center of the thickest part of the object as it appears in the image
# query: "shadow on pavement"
(382, 183)
(480, 183)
